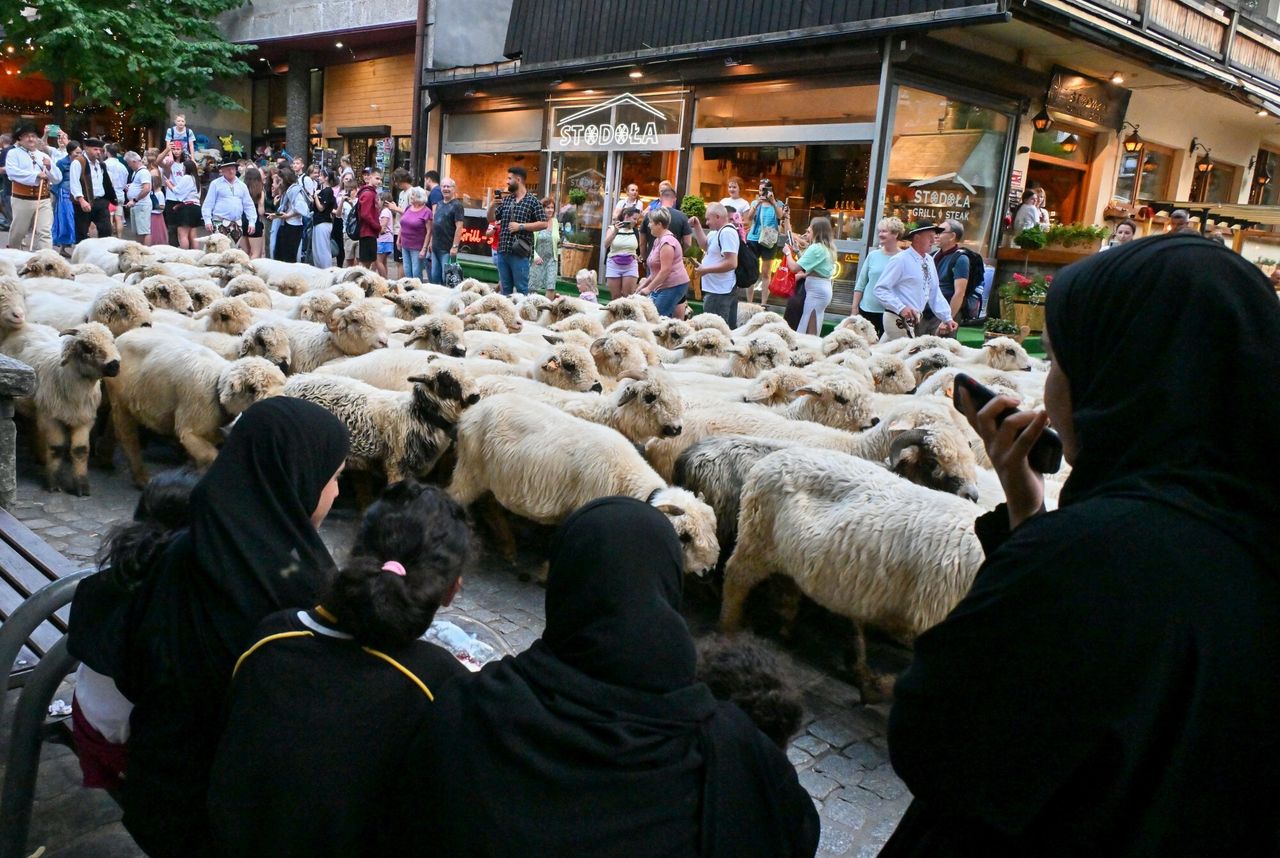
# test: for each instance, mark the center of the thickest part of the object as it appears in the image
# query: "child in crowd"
(386, 239)
(323, 705)
(99, 712)
(741, 671)
(588, 288)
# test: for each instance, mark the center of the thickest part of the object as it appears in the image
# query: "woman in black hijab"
(252, 549)
(1110, 684)
(598, 740)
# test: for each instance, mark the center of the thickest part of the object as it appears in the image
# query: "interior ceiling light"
(1117, 78)
(635, 74)
(339, 45)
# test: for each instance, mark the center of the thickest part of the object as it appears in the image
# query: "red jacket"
(367, 211)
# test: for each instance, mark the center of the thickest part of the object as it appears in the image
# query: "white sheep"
(403, 434)
(267, 340)
(640, 409)
(859, 541)
(120, 308)
(353, 330)
(13, 304)
(174, 387)
(543, 464)
(69, 367)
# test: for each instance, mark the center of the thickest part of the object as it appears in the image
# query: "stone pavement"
(840, 755)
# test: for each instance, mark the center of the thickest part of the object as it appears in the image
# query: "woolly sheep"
(245, 283)
(293, 278)
(8, 269)
(860, 326)
(352, 330)
(890, 374)
(102, 252)
(390, 369)
(757, 321)
(166, 293)
(437, 333)
(533, 307)
(13, 304)
(499, 305)
(618, 354)
(404, 434)
(175, 387)
(670, 333)
(267, 340)
(843, 340)
(493, 351)
(490, 322)
(926, 363)
(543, 464)
(758, 353)
(411, 305)
(639, 409)
(588, 325)
(562, 307)
(781, 331)
(835, 402)
(776, 386)
(1003, 353)
(120, 308)
(46, 263)
(68, 366)
(918, 440)
(862, 543)
(315, 306)
(634, 308)
(711, 322)
(480, 287)
(203, 293)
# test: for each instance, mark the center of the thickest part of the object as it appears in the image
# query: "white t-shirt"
(118, 173)
(740, 205)
(722, 241)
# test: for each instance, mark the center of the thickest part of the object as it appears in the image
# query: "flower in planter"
(1027, 290)
(1002, 326)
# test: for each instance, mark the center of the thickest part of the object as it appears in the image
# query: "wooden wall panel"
(351, 89)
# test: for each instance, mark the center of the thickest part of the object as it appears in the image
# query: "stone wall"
(264, 20)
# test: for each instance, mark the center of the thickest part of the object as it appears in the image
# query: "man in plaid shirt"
(519, 216)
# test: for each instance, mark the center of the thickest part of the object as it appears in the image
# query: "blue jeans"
(412, 262)
(439, 259)
(666, 300)
(513, 273)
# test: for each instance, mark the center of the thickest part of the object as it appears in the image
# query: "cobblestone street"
(840, 755)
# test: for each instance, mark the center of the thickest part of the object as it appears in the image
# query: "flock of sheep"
(837, 462)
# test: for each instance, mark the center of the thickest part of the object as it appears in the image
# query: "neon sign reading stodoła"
(622, 134)
(600, 126)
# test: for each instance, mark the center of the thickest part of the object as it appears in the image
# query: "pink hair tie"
(393, 566)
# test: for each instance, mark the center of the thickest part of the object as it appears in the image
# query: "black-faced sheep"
(543, 464)
(69, 367)
(859, 541)
(670, 333)
(46, 263)
(166, 293)
(178, 388)
(404, 434)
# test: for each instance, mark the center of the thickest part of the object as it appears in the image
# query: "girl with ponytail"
(325, 701)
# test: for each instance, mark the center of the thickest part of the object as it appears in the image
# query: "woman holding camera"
(1112, 670)
(764, 219)
(622, 256)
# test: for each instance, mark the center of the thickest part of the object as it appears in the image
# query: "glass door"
(579, 182)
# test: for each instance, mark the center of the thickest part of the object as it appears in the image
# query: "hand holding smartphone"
(1045, 456)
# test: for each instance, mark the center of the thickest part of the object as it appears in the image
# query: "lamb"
(225, 315)
(69, 366)
(670, 333)
(835, 402)
(480, 287)
(437, 333)
(759, 353)
(857, 540)
(712, 322)
(267, 340)
(411, 305)
(890, 374)
(645, 408)
(588, 325)
(490, 322)
(633, 308)
(46, 263)
(782, 332)
(202, 292)
(843, 340)
(543, 464)
(705, 343)
(499, 305)
(862, 327)
(619, 354)
(757, 321)
(926, 363)
(243, 283)
(922, 443)
(313, 306)
(402, 433)
(1004, 353)
(352, 330)
(13, 305)
(166, 293)
(293, 278)
(562, 307)
(776, 386)
(534, 306)
(174, 387)
(120, 308)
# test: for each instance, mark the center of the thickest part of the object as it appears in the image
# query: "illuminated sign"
(625, 122)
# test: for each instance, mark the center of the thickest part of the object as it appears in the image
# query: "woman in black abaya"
(252, 549)
(1110, 684)
(598, 740)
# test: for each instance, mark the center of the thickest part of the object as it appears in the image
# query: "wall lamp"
(1205, 163)
(1133, 142)
(1041, 121)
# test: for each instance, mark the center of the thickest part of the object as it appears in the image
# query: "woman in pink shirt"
(668, 281)
(415, 233)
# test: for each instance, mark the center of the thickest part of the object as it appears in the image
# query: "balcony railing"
(1212, 31)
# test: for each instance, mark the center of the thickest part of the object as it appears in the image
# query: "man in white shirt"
(137, 197)
(719, 263)
(909, 284)
(91, 191)
(228, 208)
(119, 174)
(31, 172)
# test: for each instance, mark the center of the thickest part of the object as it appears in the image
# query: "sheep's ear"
(599, 343)
(419, 379)
(807, 391)
(628, 393)
(736, 350)
(69, 332)
(398, 300)
(670, 509)
(553, 339)
(332, 319)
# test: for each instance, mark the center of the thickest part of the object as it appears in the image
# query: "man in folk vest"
(31, 172)
(91, 191)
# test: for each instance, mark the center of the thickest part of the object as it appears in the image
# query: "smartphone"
(1046, 454)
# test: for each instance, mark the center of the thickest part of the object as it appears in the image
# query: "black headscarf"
(1170, 348)
(598, 740)
(251, 514)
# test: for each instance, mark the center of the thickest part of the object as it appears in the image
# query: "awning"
(970, 158)
(1231, 213)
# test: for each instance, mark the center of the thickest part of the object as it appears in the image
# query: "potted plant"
(577, 196)
(1022, 299)
(694, 206)
(1076, 237)
(1005, 328)
(575, 250)
(1031, 238)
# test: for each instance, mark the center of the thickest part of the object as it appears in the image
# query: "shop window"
(1265, 190)
(1216, 185)
(947, 161)
(492, 131)
(786, 103)
(1144, 175)
(478, 176)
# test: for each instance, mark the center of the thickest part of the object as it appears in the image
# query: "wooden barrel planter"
(1025, 314)
(1021, 336)
(574, 258)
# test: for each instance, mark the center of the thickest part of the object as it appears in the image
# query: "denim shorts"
(386, 246)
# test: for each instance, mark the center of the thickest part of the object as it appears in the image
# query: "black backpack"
(747, 271)
(351, 226)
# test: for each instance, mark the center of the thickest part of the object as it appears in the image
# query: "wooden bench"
(27, 565)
